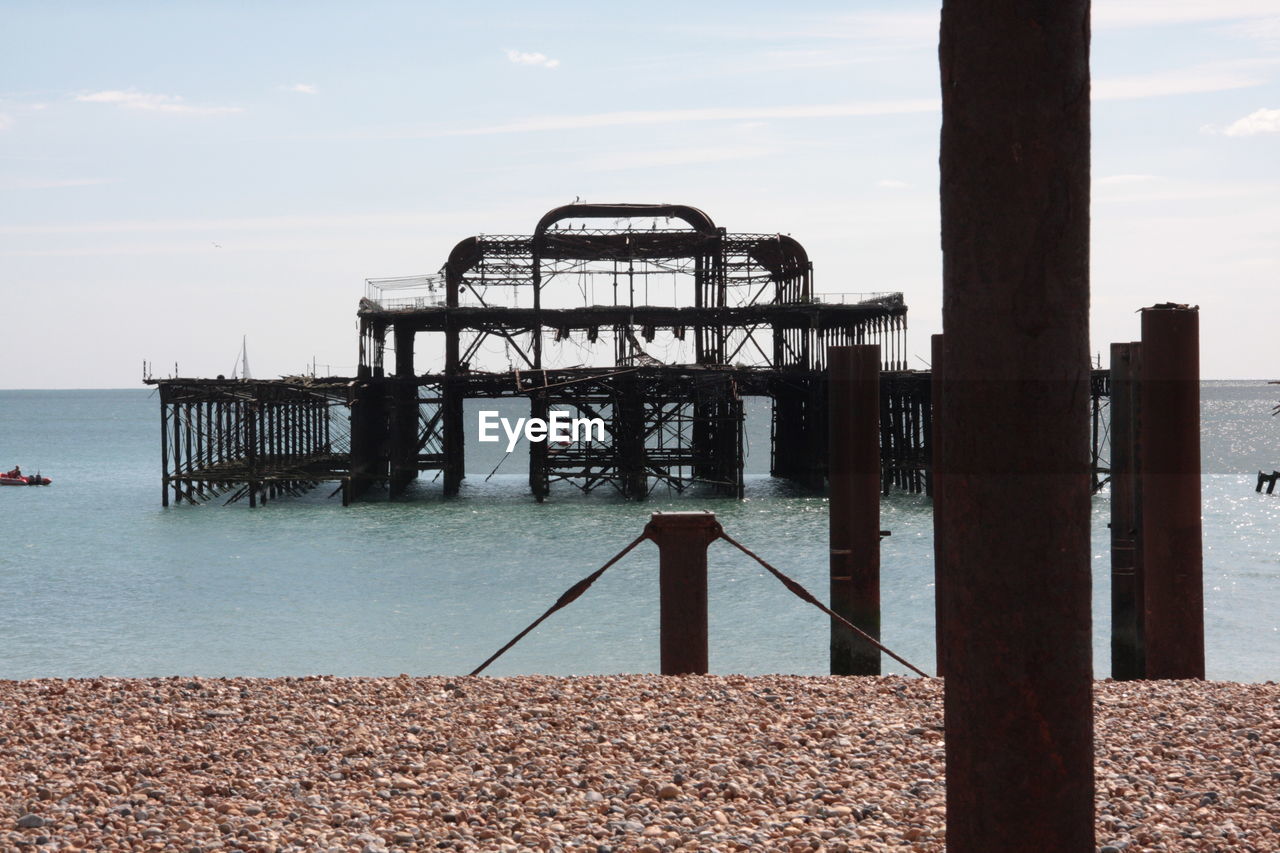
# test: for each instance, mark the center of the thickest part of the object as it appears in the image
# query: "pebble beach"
(617, 763)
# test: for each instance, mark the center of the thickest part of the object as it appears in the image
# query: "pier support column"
(853, 383)
(539, 482)
(402, 436)
(453, 435)
(452, 393)
(1126, 570)
(1172, 540)
(628, 430)
(164, 449)
(1014, 497)
(682, 539)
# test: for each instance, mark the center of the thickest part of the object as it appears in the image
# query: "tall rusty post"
(1172, 541)
(1014, 498)
(936, 361)
(1126, 570)
(853, 383)
(682, 539)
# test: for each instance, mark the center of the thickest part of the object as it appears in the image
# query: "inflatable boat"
(31, 480)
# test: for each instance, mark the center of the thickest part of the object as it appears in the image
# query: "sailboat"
(242, 361)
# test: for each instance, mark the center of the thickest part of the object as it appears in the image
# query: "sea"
(96, 578)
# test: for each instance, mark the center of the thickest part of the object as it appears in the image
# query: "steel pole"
(1014, 498)
(1172, 538)
(853, 388)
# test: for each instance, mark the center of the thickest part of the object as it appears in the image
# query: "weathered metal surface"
(853, 465)
(1172, 539)
(682, 539)
(1014, 496)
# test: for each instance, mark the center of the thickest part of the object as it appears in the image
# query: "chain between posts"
(572, 593)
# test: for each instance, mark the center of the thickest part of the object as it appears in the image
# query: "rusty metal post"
(1172, 536)
(936, 361)
(1126, 580)
(682, 539)
(1014, 498)
(853, 383)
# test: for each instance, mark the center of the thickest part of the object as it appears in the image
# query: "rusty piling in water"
(682, 539)
(853, 377)
(1172, 541)
(1014, 495)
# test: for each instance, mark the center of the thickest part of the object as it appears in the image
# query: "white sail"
(241, 368)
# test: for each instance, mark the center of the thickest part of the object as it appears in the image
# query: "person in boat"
(16, 473)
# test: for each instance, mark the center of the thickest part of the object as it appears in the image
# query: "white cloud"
(6, 122)
(1213, 77)
(1165, 191)
(1114, 180)
(919, 28)
(674, 157)
(540, 59)
(264, 224)
(1143, 13)
(1263, 30)
(892, 184)
(639, 117)
(893, 29)
(151, 102)
(304, 88)
(50, 183)
(1260, 121)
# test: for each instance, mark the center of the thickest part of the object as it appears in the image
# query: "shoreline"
(636, 762)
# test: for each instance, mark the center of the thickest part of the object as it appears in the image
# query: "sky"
(176, 176)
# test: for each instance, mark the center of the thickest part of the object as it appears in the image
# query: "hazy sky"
(175, 175)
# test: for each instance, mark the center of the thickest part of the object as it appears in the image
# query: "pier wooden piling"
(1172, 540)
(1127, 596)
(936, 472)
(1014, 499)
(682, 539)
(853, 461)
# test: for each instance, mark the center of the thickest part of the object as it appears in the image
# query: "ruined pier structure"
(648, 317)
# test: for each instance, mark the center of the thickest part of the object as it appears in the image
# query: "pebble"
(614, 763)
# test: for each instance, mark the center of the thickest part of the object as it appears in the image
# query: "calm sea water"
(96, 578)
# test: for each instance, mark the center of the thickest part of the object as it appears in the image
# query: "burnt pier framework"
(648, 317)
(732, 315)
